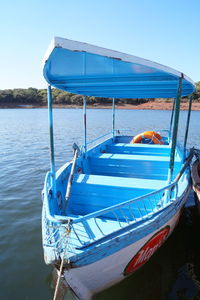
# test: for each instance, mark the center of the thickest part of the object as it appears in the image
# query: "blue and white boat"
(107, 211)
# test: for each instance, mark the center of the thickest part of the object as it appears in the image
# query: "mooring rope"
(62, 263)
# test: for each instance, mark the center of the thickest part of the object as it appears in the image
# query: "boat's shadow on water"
(173, 273)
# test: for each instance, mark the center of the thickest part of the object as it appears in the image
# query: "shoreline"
(151, 105)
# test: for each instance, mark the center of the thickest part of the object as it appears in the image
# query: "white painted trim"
(58, 42)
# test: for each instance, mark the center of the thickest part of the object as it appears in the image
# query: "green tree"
(196, 94)
(39, 97)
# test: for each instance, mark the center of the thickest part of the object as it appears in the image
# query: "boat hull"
(195, 174)
(88, 280)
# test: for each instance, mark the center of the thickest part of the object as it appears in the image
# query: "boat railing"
(164, 132)
(103, 224)
(97, 140)
(117, 132)
(124, 131)
(149, 203)
(111, 221)
(128, 131)
(122, 215)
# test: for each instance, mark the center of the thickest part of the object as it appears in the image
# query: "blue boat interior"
(117, 171)
(109, 175)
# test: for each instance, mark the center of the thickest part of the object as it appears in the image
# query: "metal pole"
(113, 117)
(85, 123)
(52, 160)
(175, 129)
(172, 117)
(188, 123)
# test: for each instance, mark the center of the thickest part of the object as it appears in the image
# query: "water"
(24, 160)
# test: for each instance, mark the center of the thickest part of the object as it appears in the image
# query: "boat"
(195, 174)
(106, 212)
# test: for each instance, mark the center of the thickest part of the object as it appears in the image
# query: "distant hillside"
(38, 97)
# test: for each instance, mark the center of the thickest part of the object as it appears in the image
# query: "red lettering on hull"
(147, 251)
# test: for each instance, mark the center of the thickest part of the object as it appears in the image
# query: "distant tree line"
(38, 97)
(196, 95)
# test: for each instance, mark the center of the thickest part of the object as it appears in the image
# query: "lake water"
(172, 273)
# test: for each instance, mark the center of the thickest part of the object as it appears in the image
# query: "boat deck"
(118, 173)
(119, 184)
(95, 192)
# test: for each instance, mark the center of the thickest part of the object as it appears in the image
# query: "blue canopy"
(89, 70)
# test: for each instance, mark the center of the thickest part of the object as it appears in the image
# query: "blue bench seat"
(91, 193)
(127, 165)
(138, 149)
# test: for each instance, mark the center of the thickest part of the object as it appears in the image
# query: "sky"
(165, 31)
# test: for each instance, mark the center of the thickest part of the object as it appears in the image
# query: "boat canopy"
(89, 70)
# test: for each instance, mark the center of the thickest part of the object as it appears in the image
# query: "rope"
(61, 265)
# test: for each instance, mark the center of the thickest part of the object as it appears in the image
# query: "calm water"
(172, 273)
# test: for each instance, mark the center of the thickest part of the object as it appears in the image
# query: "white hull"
(93, 278)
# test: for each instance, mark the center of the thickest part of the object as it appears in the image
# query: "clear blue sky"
(165, 31)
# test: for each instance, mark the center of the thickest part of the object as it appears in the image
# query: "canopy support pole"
(175, 130)
(188, 123)
(172, 117)
(85, 124)
(52, 160)
(113, 118)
